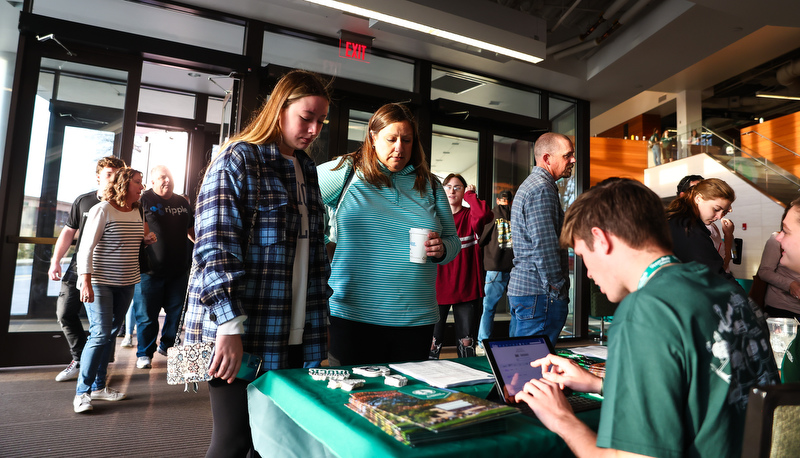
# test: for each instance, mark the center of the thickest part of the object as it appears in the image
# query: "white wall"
(758, 212)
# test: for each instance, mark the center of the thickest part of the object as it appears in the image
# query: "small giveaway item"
(328, 374)
(395, 380)
(372, 371)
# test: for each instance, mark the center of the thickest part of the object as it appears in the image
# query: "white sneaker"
(82, 403)
(108, 394)
(127, 341)
(480, 351)
(70, 372)
(143, 362)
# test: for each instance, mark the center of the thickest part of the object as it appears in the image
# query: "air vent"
(453, 84)
(662, 99)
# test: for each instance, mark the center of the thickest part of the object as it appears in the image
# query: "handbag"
(189, 363)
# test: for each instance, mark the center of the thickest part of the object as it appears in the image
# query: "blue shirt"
(540, 264)
(372, 278)
(240, 271)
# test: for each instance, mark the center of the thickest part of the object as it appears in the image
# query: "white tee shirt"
(300, 276)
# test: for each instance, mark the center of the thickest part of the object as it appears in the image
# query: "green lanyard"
(654, 266)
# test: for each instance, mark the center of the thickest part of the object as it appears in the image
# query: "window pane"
(298, 53)
(512, 160)
(482, 92)
(357, 129)
(80, 83)
(152, 147)
(82, 148)
(148, 21)
(8, 58)
(454, 151)
(77, 117)
(166, 103)
(564, 120)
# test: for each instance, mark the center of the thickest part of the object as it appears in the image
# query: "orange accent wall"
(615, 157)
(641, 125)
(784, 130)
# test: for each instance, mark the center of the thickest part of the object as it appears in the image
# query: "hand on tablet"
(566, 372)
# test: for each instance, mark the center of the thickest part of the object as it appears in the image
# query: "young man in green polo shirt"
(684, 349)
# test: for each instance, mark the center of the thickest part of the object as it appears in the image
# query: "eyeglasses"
(453, 188)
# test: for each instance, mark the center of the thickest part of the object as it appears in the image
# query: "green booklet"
(420, 414)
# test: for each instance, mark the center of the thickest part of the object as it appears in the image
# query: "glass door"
(77, 117)
(78, 114)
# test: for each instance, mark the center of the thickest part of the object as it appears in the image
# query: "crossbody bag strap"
(346, 186)
(193, 270)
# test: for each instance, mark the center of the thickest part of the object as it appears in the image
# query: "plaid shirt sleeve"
(536, 219)
(222, 227)
(543, 218)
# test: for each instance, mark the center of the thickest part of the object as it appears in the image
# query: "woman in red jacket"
(459, 284)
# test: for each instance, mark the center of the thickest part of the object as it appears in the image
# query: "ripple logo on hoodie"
(174, 211)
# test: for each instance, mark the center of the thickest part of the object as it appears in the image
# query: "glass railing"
(764, 174)
(770, 140)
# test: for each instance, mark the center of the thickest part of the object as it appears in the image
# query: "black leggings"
(230, 436)
(354, 343)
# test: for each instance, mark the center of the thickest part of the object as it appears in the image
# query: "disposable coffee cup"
(417, 238)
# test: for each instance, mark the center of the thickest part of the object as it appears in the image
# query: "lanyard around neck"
(654, 266)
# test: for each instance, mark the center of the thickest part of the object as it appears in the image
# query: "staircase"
(764, 175)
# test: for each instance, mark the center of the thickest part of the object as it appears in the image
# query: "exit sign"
(354, 46)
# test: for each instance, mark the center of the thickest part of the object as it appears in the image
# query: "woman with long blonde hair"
(259, 281)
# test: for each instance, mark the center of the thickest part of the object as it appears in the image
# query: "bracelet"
(602, 381)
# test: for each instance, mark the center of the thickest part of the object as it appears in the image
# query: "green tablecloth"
(293, 415)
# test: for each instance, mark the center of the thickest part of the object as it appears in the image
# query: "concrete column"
(690, 116)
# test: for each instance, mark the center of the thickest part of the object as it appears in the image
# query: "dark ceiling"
(727, 106)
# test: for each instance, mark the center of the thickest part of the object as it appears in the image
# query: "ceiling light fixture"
(769, 95)
(400, 22)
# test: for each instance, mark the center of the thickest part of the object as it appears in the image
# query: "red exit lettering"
(353, 51)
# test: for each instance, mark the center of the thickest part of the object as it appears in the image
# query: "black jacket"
(498, 254)
(692, 242)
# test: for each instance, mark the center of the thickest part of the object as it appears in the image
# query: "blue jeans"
(537, 315)
(105, 318)
(656, 154)
(130, 321)
(496, 283)
(151, 295)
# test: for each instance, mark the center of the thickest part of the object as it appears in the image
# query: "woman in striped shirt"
(383, 307)
(108, 269)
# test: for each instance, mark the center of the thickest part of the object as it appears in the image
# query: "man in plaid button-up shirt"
(539, 285)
